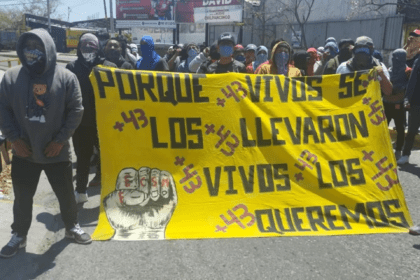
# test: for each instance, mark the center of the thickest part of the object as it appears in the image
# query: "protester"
(262, 57)
(201, 58)
(394, 103)
(226, 63)
(124, 48)
(212, 56)
(239, 53)
(175, 57)
(113, 53)
(345, 53)
(271, 49)
(313, 58)
(150, 60)
(412, 47)
(86, 135)
(103, 37)
(39, 125)
(301, 59)
(363, 60)
(412, 100)
(192, 52)
(250, 56)
(134, 55)
(280, 62)
(319, 64)
(378, 55)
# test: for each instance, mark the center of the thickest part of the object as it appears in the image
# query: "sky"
(81, 9)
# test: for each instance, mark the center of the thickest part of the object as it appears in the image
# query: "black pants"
(25, 178)
(84, 139)
(398, 115)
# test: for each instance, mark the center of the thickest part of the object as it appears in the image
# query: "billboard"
(208, 11)
(145, 13)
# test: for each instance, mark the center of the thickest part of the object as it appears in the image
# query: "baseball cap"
(415, 33)
(226, 37)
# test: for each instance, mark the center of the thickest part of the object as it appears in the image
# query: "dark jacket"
(82, 71)
(21, 92)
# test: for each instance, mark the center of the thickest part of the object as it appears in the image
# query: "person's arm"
(386, 85)
(162, 65)
(171, 61)
(74, 109)
(8, 123)
(196, 62)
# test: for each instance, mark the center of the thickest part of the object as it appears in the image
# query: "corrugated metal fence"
(385, 32)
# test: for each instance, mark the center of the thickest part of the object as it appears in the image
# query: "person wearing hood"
(150, 60)
(330, 51)
(134, 55)
(331, 39)
(40, 108)
(280, 62)
(125, 51)
(86, 135)
(113, 53)
(212, 55)
(412, 47)
(345, 53)
(313, 58)
(363, 60)
(301, 59)
(226, 63)
(250, 56)
(192, 52)
(261, 58)
(394, 103)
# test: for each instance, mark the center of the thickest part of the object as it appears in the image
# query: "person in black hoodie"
(86, 136)
(113, 53)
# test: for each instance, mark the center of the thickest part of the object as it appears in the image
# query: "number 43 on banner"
(235, 219)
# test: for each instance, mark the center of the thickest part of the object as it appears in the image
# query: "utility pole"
(106, 18)
(49, 18)
(68, 17)
(111, 15)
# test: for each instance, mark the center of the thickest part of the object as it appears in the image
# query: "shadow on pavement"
(416, 246)
(411, 168)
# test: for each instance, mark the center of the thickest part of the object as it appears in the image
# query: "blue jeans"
(413, 127)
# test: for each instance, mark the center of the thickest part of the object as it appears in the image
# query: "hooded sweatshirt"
(82, 71)
(271, 68)
(150, 60)
(398, 78)
(59, 91)
(260, 59)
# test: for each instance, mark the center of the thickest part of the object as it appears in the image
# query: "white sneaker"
(403, 160)
(80, 197)
(415, 230)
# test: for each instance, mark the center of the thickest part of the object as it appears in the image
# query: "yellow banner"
(235, 155)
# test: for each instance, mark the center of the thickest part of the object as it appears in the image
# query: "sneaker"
(415, 230)
(403, 160)
(80, 197)
(96, 181)
(13, 246)
(78, 235)
(397, 155)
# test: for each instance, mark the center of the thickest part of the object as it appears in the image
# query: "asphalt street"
(50, 256)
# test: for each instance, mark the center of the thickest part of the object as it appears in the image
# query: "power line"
(29, 3)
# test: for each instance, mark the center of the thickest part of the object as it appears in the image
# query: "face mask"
(281, 60)
(215, 55)
(33, 56)
(226, 51)
(262, 57)
(362, 61)
(240, 58)
(345, 54)
(89, 57)
(192, 53)
(145, 50)
(113, 55)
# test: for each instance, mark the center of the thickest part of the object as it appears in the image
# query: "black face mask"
(362, 61)
(215, 55)
(113, 55)
(37, 67)
(345, 54)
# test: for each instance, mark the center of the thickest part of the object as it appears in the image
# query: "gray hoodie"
(21, 92)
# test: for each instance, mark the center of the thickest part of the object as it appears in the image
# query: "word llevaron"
(187, 133)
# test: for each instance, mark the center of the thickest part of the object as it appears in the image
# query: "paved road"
(380, 256)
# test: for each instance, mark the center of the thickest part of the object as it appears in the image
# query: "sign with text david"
(235, 155)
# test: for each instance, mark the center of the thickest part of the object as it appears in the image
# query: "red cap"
(312, 50)
(415, 33)
(238, 47)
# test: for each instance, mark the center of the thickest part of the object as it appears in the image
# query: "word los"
(330, 217)
(159, 87)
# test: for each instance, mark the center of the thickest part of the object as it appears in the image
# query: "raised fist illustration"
(142, 204)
